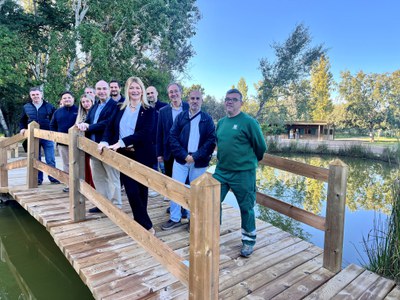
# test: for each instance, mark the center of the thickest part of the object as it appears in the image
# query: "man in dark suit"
(166, 118)
(152, 97)
(105, 178)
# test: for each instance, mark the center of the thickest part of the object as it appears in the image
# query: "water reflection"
(31, 265)
(368, 196)
(368, 185)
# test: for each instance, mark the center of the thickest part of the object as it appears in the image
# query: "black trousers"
(137, 195)
(168, 164)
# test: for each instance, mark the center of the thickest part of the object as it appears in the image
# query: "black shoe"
(170, 225)
(184, 213)
(39, 183)
(168, 211)
(66, 190)
(95, 210)
(54, 182)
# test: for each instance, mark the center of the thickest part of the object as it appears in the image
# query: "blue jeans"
(48, 148)
(180, 173)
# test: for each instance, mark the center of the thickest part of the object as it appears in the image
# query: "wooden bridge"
(117, 259)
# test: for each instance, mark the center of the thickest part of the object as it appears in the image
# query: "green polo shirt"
(240, 143)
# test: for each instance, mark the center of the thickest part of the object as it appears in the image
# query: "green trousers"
(243, 186)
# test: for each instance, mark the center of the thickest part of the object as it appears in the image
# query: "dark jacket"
(64, 118)
(42, 115)
(104, 118)
(164, 125)
(179, 139)
(140, 140)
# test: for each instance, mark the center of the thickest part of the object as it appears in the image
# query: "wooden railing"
(201, 272)
(333, 223)
(202, 199)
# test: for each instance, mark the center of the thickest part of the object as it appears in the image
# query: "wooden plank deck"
(114, 266)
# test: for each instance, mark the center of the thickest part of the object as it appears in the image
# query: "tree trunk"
(3, 123)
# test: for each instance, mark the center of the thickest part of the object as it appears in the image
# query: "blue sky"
(233, 36)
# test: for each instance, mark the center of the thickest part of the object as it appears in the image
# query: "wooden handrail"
(164, 185)
(291, 211)
(295, 167)
(57, 137)
(20, 163)
(12, 140)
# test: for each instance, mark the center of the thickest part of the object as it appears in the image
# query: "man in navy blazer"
(105, 178)
(166, 118)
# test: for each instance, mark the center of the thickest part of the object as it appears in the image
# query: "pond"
(31, 265)
(369, 198)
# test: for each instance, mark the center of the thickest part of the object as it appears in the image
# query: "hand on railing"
(82, 126)
(101, 146)
(115, 147)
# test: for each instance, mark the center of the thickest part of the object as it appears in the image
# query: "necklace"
(133, 107)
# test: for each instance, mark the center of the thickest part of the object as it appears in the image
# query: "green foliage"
(366, 100)
(72, 44)
(243, 88)
(321, 81)
(215, 108)
(294, 59)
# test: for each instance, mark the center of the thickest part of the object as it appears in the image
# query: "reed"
(382, 245)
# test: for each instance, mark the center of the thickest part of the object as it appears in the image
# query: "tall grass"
(382, 245)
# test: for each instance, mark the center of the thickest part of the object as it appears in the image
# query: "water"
(369, 199)
(31, 265)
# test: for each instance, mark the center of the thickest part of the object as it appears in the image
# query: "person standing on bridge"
(41, 112)
(166, 118)
(152, 97)
(240, 145)
(105, 177)
(62, 120)
(192, 141)
(129, 133)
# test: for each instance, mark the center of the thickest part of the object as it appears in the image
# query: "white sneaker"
(166, 199)
(153, 194)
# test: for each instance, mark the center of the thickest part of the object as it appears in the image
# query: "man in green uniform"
(240, 145)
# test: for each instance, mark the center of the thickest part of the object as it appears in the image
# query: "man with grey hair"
(105, 178)
(236, 170)
(166, 118)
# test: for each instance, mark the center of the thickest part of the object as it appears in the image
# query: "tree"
(393, 115)
(294, 59)
(321, 81)
(215, 108)
(243, 88)
(75, 43)
(193, 87)
(366, 104)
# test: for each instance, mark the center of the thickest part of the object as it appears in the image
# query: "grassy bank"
(382, 245)
(390, 154)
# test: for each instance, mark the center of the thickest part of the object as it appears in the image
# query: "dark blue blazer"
(141, 140)
(104, 118)
(179, 139)
(164, 126)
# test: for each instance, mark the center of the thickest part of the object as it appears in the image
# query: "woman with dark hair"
(129, 133)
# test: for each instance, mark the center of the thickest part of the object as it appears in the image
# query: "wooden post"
(3, 171)
(76, 173)
(204, 238)
(335, 210)
(32, 155)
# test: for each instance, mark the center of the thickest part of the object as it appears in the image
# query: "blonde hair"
(144, 102)
(82, 113)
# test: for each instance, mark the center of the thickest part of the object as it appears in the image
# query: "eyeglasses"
(232, 99)
(195, 98)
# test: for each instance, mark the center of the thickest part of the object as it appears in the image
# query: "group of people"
(176, 137)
